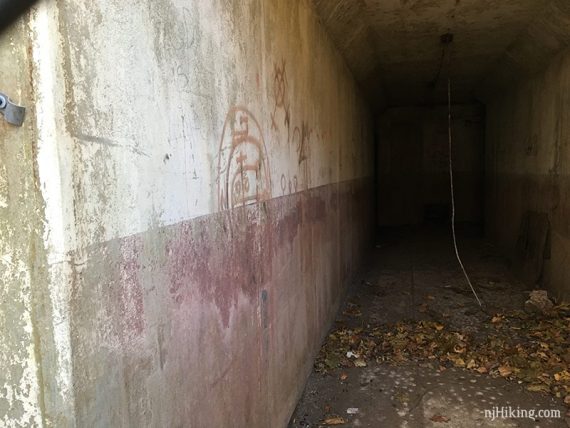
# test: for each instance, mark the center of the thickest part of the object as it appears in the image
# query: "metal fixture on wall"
(13, 113)
(10, 10)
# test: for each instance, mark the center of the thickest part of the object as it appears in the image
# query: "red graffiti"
(243, 166)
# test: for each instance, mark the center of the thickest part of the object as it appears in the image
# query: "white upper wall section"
(150, 102)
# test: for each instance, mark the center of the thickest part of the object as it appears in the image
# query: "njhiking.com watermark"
(508, 412)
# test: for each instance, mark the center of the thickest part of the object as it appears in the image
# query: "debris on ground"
(335, 420)
(352, 310)
(439, 418)
(531, 348)
(538, 302)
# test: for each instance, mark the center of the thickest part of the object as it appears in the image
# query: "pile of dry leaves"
(531, 348)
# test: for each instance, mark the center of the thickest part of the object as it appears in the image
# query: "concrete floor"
(408, 271)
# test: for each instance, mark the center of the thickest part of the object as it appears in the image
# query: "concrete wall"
(413, 164)
(202, 192)
(528, 153)
(22, 257)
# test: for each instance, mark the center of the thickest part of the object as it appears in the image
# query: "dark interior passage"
(504, 79)
(413, 165)
(504, 69)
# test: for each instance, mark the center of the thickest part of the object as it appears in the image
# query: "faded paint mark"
(82, 138)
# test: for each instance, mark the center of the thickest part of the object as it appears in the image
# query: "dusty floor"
(414, 276)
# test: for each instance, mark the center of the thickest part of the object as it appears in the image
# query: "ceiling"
(393, 47)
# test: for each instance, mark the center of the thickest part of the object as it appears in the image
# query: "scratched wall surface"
(528, 152)
(206, 176)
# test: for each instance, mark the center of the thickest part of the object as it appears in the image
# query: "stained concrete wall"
(22, 256)
(413, 164)
(528, 152)
(186, 203)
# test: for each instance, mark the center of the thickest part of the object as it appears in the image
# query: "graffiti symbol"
(280, 85)
(243, 166)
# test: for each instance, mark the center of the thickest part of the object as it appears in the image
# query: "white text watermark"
(508, 412)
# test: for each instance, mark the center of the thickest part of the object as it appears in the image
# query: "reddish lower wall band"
(213, 321)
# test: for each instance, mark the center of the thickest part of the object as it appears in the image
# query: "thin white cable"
(453, 192)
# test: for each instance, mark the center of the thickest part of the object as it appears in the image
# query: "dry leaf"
(471, 364)
(505, 371)
(439, 418)
(562, 376)
(533, 349)
(457, 361)
(360, 363)
(335, 420)
(538, 387)
(458, 349)
(343, 376)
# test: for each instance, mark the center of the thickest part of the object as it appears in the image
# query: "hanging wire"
(446, 41)
(450, 135)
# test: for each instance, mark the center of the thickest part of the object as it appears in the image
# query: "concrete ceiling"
(393, 46)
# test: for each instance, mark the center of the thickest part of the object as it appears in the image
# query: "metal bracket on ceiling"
(13, 113)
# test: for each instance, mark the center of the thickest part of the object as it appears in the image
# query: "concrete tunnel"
(197, 186)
